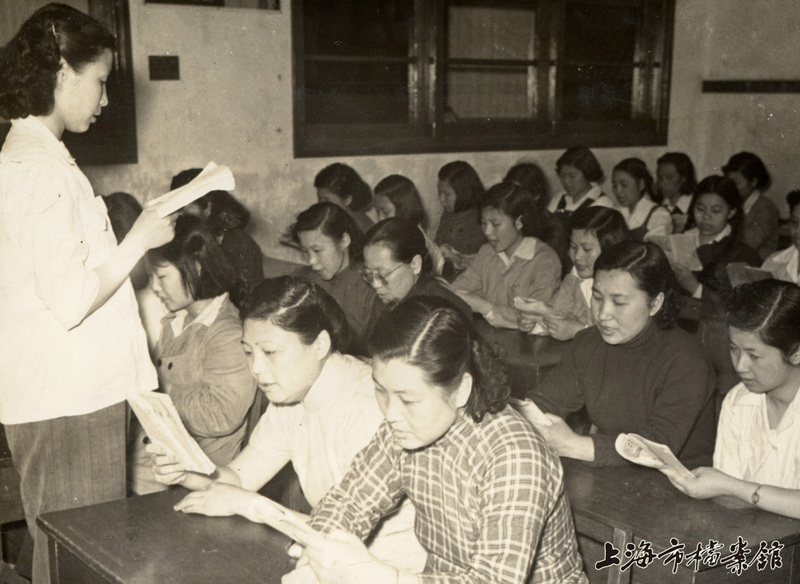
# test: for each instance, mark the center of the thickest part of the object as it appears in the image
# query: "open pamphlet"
(214, 177)
(163, 425)
(741, 273)
(531, 411)
(680, 248)
(282, 519)
(642, 451)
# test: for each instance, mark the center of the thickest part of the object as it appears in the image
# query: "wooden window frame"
(427, 131)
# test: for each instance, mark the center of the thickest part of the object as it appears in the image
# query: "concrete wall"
(233, 105)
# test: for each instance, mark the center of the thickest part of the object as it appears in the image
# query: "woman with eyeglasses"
(397, 266)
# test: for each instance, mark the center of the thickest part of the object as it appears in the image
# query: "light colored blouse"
(784, 265)
(56, 361)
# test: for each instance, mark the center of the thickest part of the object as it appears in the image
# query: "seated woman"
(761, 217)
(675, 183)
(322, 411)
(227, 219)
(580, 175)
(199, 355)
(341, 185)
(594, 230)
(397, 266)
(514, 262)
(459, 234)
(333, 246)
(633, 189)
(634, 371)
(785, 264)
(397, 196)
(758, 439)
(488, 492)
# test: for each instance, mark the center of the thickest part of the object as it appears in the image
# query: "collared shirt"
(565, 203)
(56, 361)
(784, 264)
(657, 223)
(750, 201)
(748, 449)
(525, 250)
(489, 498)
(206, 317)
(680, 206)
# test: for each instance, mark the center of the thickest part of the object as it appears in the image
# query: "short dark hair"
(607, 225)
(465, 182)
(30, 62)
(205, 270)
(725, 188)
(300, 307)
(433, 335)
(333, 222)
(343, 181)
(403, 194)
(225, 212)
(530, 177)
(402, 238)
(584, 160)
(683, 164)
(516, 201)
(751, 167)
(636, 168)
(649, 267)
(770, 309)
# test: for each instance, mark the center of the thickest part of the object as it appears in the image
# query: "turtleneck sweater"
(656, 385)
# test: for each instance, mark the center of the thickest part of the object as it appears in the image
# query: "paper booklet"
(282, 519)
(680, 248)
(741, 273)
(214, 177)
(648, 453)
(531, 411)
(163, 425)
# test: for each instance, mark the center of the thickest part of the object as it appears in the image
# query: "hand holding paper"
(213, 178)
(642, 451)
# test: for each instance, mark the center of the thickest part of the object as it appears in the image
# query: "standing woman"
(73, 345)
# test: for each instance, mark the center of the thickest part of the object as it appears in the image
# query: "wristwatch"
(755, 497)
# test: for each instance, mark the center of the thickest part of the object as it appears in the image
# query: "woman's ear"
(322, 344)
(518, 223)
(345, 242)
(416, 265)
(347, 200)
(464, 390)
(656, 303)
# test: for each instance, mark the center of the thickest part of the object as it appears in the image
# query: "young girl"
(397, 196)
(199, 355)
(633, 189)
(227, 219)
(594, 230)
(489, 494)
(322, 411)
(397, 266)
(761, 217)
(756, 455)
(530, 177)
(634, 371)
(333, 246)
(459, 234)
(341, 185)
(716, 209)
(513, 263)
(73, 345)
(675, 183)
(785, 264)
(580, 175)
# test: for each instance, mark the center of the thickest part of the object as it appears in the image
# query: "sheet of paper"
(642, 451)
(740, 273)
(533, 306)
(531, 411)
(280, 518)
(163, 425)
(214, 177)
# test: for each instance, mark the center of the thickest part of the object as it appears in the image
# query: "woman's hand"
(341, 557)
(217, 500)
(526, 322)
(561, 327)
(685, 278)
(150, 230)
(564, 441)
(706, 482)
(167, 467)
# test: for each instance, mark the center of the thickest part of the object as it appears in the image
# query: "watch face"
(755, 497)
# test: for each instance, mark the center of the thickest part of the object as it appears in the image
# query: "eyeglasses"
(383, 279)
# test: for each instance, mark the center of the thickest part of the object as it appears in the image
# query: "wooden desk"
(142, 540)
(528, 357)
(644, 501)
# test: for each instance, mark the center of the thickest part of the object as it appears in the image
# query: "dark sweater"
(715, 257)
(656, 385)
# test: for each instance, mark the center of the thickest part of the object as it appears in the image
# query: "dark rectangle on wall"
(164, 68)
(752, 86)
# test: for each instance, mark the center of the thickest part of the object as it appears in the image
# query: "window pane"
(487, 94)
(344, 93)
(596, 37)
(475, 32)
